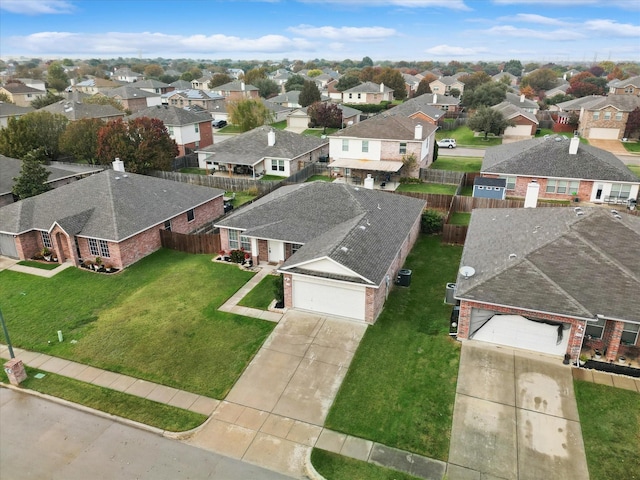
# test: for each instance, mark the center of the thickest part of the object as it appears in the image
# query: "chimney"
(435, 98)
(522, 98)
(573, 146)
(271, 138)
(418, 132)
(118, 165)
(242, 86)
(531, 199)
(382, 88)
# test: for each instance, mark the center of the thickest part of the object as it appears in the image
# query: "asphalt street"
(40, 439)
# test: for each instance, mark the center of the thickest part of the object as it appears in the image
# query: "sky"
(578, 31)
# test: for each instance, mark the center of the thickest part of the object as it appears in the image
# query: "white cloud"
(344, 33)
(564, 34)
(36, 7)
(533, 18)
(612, 28)
(449, 4)
(451, 51)
(624, 4)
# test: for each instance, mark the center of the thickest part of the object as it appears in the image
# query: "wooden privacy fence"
(454, 234)
(196, 243)
(232, 184)
(435, 201)
(448, 177)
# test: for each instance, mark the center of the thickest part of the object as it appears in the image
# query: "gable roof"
(12, 110)
(250, 148)
(193, 94)
(181, 84)
(510, 111)
(631, 81)
(127, 92)
(151, 83)
(550, 157)
(578, 103)
(623, 103)
(325, 217)
(518, 101)
(78, 110)
(564, 263)
(98, 82)
(392, 127)
(443, 99)
(449, 80)
(419, 104)
(368, 87)
(21, 89)
(172, 116)
(109, 205)
(235, 86)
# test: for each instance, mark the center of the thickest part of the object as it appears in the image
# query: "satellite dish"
(467, 272)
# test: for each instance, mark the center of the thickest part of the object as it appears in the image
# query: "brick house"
(133, 98)
(630, 86)
(189, 130)
(263, 150)
(564, 169)
(9, 110)
(237, 91)
(20, 94)
(446, 103)
(95, 85)
(369, 93)
(553, 280)
(419, 108)
(209, 101)
(525, 122)
(113, 215)
(444, 85)
(606, 118)
(339, 248)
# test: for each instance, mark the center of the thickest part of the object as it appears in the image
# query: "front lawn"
(157, 320)
(635, 169)
(610, 422)
(110, 401)
(633, 147)
(319, 132)
(261, 295)
(271, 178)
(427, 188)
(400, 388)
(467, 138)
(458, 164)
(336, 467)
(281, 125)
(41, 265)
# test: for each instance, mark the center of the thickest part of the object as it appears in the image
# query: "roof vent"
(362, 227)
(512, 256)
(344, 249)
(617, 215)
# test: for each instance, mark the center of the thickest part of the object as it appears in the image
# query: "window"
(630, 333)
(620, 190)
(98, 248)
(170, 130)
(359, 96)
(46, 239)
(596, 115)
(618, 116)
(561, 186)
(511, 182)
(595, 329)
(277, 165)
(197, 127)
(245, 243)
(351, 95)
(365, 146)
(480, 187)
(233, 239)
(190, 215)
(345, 145)
(607, 115)
(167, 225)
(295, 247)
(403, 148)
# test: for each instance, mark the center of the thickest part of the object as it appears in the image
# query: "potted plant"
(108, 267)
(88, 264)
(575, 197)
(46, 254)
(582, 360)
(622, 359)
(597, 353)
(98, 264)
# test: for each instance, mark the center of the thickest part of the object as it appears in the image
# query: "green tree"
(153, 71)
(295, 82)
(431, 222)
(487, 120)
(48, 99)
(309, 94)
(393, 79)
(5, 98)
(633, 124)
(540, 80)
(33, 175)
(56, 78)
(248, 114)
(143, 144)
(314, 73)
(255, 74)
(104, 100)
(266, 88)
(490, 93)
(514, 67)
(423, 87)
(366, 62)
(219, 79)
(347, 81)
(32, 131)
(325, 115)
(80, 139)
(474, 80)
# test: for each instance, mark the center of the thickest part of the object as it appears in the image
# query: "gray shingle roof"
(624, 103)
(235, 86)
(151, 83)
(78, 110)
(128, 91)
(172, 116)
(251, 147)
(549, 157)
(510, 111)
(368, 87)
(578, 103)
(564, 263)
(394, 127)
(11, 110)
(20, 88)
(421, 103)
(326, 217)
(108, 205)
(517, 100)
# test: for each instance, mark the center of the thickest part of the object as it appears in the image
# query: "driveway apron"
(515, 417)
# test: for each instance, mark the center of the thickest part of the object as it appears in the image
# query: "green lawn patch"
(460, 218)
(467, 191)
(319, 132)
(336, 467)
(610, 422)
(229, 129)
(194, 170)
(635, 169)
(321, 178)
(466, 137)
(271, 178)
(261, 295)
(281, 125)
(42, 265)
(458, 164)
(114, 402)
(428, 188)
(240, 198)
(400, 388)
(633, 147)
(157, 320)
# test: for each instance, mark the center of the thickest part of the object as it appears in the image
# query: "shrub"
(278, 288)
(432, 222)
(237, 256)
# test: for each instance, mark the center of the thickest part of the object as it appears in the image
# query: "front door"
(276, 251)
(599, 192)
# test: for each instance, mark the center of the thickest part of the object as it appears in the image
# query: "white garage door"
(519, 332)
(604, 133)
(299, 122)
(332, 298)
(518, 131)
(8, 246)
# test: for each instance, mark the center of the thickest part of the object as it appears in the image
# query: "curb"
(108, 416)
(309, 469)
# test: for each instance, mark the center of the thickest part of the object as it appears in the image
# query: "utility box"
(449, 295)
(14, 369)
(404, 277)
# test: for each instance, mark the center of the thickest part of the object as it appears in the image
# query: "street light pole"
(6, 335)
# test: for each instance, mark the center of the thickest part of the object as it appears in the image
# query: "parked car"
(447, 143)
(219, 123)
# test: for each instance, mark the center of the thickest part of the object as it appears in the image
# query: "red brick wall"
(206, 134)
(288, 290)
(28, 244)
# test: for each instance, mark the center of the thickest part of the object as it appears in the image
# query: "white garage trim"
(604, 133)
(520, 332)
(330, 297)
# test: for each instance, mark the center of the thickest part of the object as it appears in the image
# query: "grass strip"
(41, 265)
(337, 467)
(438, 188)
(457, 164)
(139, 409)
(261, 295)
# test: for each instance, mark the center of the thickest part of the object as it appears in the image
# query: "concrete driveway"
(515, 417)
(613, 146)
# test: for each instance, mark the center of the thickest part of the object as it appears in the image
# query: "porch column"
(613, 343)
